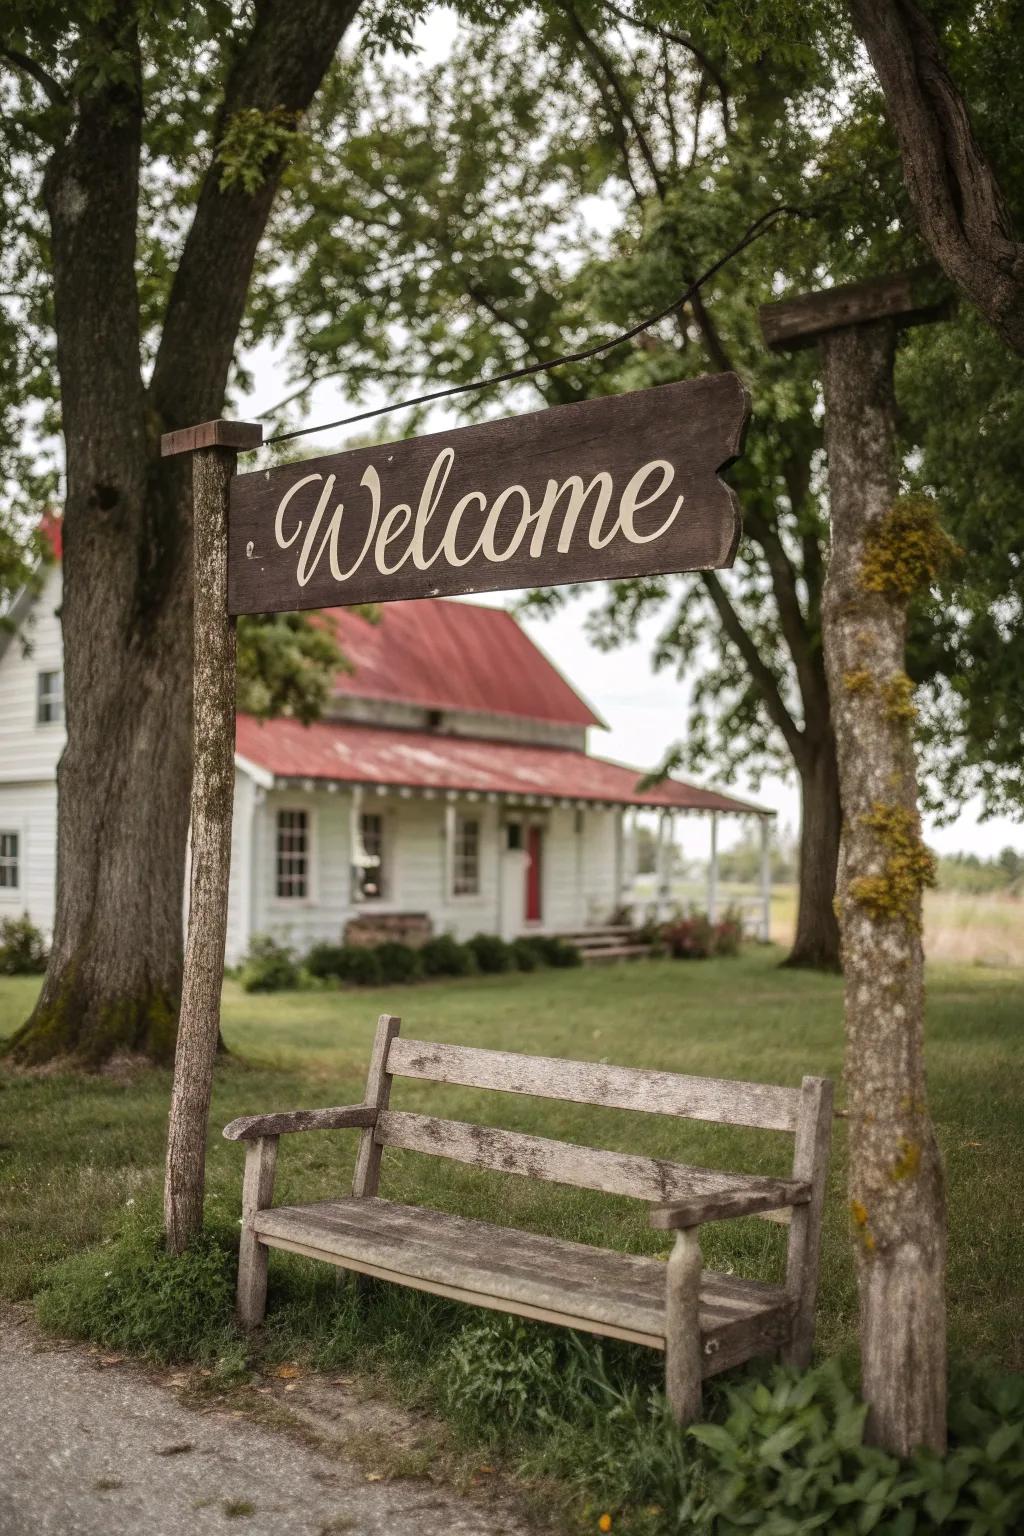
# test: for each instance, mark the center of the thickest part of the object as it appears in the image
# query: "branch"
(708, 65)
(761, 675)
(278, 69)
(604, 64)
(41, 76)
(810, 677)
(952, 186)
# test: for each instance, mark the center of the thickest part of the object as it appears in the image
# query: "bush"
(398, 963)
(326, 961)
(696, 937)
(269, 966)
(131, 1295)
(550, 950)
(492, 954)
(22, 947)
(524, 955)
(792, 1449)
(445, 956)
(359, 967)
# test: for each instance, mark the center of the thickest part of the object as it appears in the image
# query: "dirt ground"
(93, 1445)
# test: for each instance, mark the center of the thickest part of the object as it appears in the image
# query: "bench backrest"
(805, 1112)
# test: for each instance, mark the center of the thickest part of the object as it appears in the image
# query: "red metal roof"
(363, 754)
(448, 655)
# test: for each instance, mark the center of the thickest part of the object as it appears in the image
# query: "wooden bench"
(705, 1322)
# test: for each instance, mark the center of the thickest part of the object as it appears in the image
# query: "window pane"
(370, 872)
(466, 860)
(292, 879)
(8, 861)
(50, 697)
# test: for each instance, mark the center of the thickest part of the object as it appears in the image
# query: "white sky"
(645, 711)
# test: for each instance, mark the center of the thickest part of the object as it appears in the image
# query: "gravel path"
(94, 1450)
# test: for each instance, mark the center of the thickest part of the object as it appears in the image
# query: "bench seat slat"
(590, 1288)
(765, 1106)
(562, 1162)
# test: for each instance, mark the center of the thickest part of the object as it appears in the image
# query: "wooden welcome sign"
(624, 486)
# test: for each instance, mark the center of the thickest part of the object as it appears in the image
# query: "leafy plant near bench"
(271, 966)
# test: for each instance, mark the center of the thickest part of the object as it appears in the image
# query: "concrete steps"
(612, 942)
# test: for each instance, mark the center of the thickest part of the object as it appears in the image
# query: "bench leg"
(682, 1327)
(257, 1194)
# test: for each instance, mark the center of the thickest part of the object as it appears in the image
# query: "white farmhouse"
(449, 784)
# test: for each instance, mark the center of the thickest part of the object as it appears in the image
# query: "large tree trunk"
(951, 184)
(114, 976)
(816, 943)
(896, 1185)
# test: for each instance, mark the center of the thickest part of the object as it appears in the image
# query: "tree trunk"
(896, 1185)
(816, 945)
(114, 976)
(951, 184)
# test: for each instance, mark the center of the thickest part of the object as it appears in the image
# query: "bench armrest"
(747, 1197)
(251, 1127)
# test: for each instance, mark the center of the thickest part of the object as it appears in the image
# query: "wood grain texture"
(601, 1291)
(257, 1194)
(906, 298)
(250, 1127)
(366, 1177)
(761, 1105)
(696, 428)
(212, 434)
(810, 1161)
(559, 1162)
(750, 1196)
(683, 1352)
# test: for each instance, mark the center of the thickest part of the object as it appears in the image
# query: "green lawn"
(73, 1150)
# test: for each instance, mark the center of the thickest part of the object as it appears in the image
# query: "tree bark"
(952, 186)
(114, 977)
(816, 942)
(213, 791)
(896, 1184)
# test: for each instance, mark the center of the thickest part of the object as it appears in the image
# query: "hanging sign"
(624, 486)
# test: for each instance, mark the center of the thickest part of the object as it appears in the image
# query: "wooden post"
(896, 1186)
(766, 881)
(810, 1161)
(214, 448)
(682, 1327)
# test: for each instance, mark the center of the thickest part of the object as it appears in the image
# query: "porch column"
(713, 870)
(355, 843)
(448, 862)
(628, 873)
(766, 881)
(663, 863)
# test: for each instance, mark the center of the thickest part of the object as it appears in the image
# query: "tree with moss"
(143, 152)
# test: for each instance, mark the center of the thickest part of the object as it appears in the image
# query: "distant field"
(959, 929)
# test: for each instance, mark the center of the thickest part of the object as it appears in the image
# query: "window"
(466, 857)
(8, 861)
(515, 835)
(292, 875)
(49, 698)
(371, 864)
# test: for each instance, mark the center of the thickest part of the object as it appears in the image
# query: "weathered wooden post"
(882, 550)
(214, 447)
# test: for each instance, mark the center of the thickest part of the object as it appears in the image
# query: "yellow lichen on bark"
(907, 550)
(897, 696)
(895, 893)
(908, 1162)
(860, 680)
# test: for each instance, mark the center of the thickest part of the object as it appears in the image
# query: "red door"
(534, 837)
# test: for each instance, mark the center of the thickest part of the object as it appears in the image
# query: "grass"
(75, 1151)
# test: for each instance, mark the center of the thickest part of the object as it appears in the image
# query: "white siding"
(29, 752)
(30, 810)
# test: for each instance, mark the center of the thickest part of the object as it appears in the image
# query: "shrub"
(445, 956)
(358, 966)
(131, 1294)
(398, 963)
(491, 953)
(550, 950)
(326, 961)
(792, 1449)
(497, 1374)
(22, 947)
(728, 933)
(524, 955)
(269, 966)
(696, 937)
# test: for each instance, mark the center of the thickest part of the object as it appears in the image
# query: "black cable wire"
(753, 233)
